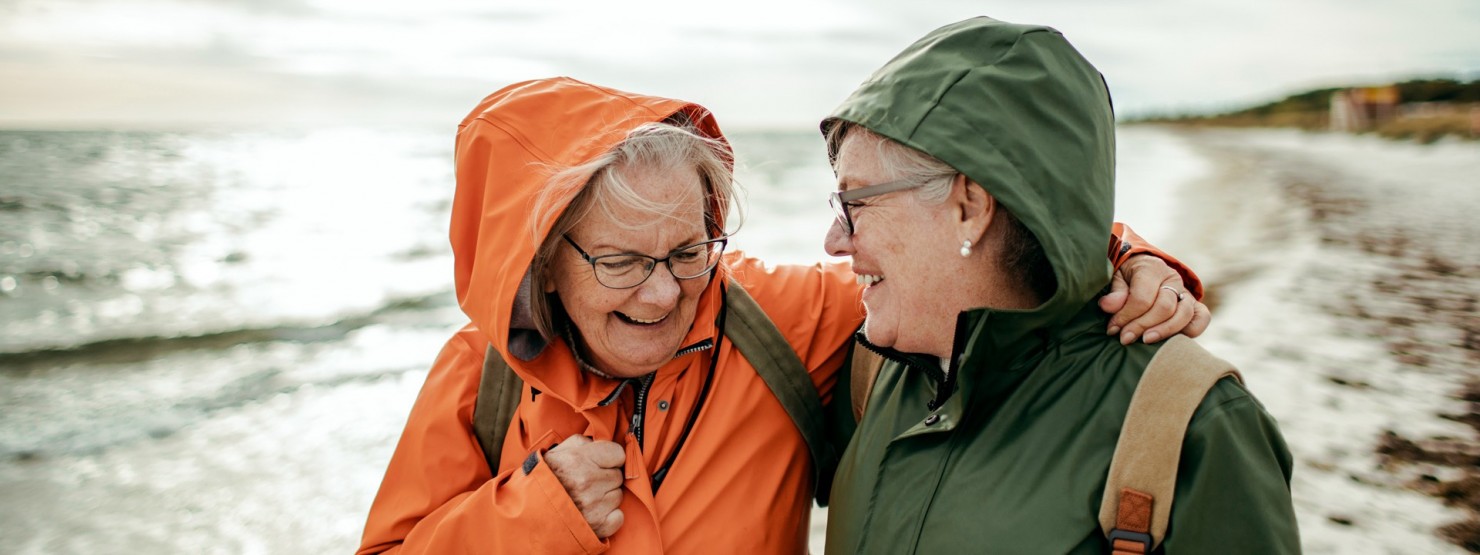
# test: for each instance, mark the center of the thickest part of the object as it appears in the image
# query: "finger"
(605, 454)
(602, 481)
(1174, 325)
(611, 500)
(597, 499)
(1202, 316)
(1162, 309)
(1113, 301)
(1143, 288)
(572, 442)
(609, 525)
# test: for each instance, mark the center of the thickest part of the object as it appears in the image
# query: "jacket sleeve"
(1233, 484)
(1125, 243)
(438, 495)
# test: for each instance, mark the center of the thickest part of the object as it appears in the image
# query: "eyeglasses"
(844, 201)
(625, 271)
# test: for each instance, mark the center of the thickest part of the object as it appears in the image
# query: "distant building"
(1362, 108)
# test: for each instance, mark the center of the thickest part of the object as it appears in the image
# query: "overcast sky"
(756, 63)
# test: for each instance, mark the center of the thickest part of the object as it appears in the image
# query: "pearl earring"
(966, 248)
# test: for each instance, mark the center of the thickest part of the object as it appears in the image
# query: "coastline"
(1344, 291)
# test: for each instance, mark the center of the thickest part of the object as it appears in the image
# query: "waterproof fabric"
(743, 481)
(1015, 459)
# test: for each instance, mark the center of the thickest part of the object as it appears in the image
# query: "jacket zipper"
(945, 380)
(644, 385)
(705, 344)
(622, 384)
(895, 356)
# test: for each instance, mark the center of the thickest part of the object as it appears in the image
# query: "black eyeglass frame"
(652, 263)
(842, 201)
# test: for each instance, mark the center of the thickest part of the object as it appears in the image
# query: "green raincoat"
(1008, 452)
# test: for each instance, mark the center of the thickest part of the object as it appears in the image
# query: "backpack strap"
(865, 366)
(773, 358)
(753, 333)
(1137, 502)
(493, 412)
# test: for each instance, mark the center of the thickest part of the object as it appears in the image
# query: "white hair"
(605, 183)
(1023, 255)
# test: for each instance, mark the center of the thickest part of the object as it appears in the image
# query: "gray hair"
(1023, 257)
(604, 184)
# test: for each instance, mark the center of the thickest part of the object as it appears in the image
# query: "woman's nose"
(838, 241)
(661, 288)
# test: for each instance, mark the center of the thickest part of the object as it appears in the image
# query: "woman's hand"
(591, 472)
(1149, 307)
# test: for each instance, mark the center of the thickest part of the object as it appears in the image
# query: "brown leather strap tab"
(1150, 445)
(865, 369)
(1132, 533)
(1135, 511)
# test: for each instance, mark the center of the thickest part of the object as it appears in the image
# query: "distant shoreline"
(1422, 110)
(1421, 131)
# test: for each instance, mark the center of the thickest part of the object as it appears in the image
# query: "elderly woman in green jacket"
(975, 179)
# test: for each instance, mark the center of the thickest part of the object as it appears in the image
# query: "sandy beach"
(1344, 280)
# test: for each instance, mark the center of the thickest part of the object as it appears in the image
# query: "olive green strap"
(753, 334)
(773, 358)
(1150, 446)
(498, 398)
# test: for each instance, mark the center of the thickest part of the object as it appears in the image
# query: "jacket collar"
(994, 350)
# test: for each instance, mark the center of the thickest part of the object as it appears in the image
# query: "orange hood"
(507, 148)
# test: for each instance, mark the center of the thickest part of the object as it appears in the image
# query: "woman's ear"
(976, 208)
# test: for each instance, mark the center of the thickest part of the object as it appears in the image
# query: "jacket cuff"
(545, 485)
(1125, 243)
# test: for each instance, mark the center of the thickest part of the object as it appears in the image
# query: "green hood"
(975, 94)
(1014, 460)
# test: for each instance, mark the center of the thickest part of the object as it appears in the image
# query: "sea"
(210, 340)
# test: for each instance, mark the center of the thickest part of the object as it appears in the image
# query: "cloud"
(761, 63)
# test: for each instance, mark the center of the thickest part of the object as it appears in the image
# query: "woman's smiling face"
(900, 248)
(632, 332)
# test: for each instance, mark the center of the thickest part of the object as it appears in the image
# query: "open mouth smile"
(639, 321)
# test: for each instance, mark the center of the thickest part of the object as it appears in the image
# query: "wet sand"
(1345, 282)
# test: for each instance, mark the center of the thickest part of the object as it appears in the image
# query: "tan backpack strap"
(1137, 502)
(498, 397)
(865, 365)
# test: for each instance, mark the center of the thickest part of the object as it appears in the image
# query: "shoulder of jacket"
(471, 339)
(461, 359)
(790, 285)
(1226, 398)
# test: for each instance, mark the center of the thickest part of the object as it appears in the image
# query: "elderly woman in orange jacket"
(641, 428)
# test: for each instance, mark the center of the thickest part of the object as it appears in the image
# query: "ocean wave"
(128, 349)
(126, 425)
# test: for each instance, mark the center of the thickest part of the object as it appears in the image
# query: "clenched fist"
(591, 472)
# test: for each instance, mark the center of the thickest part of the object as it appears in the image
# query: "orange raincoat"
(744, 481)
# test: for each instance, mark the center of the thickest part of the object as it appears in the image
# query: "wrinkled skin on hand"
(1144, 305)
(591, 472)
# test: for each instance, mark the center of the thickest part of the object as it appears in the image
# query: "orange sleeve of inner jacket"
(438, 496)
(1124, 243)
(816, 308)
